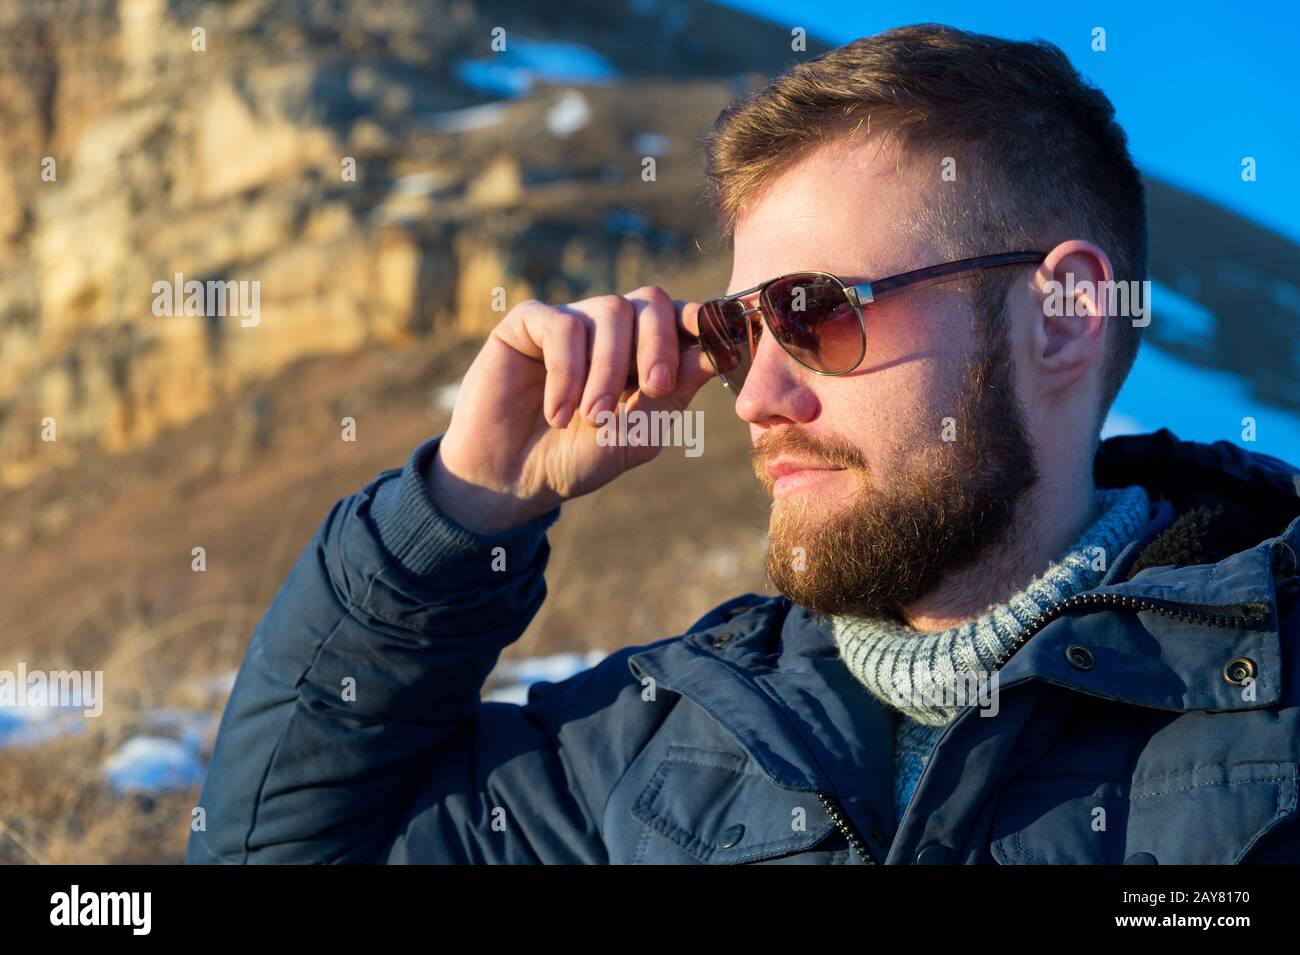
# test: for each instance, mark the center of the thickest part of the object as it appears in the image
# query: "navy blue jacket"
(1154, 719)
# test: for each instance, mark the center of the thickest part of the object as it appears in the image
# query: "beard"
(951, 502)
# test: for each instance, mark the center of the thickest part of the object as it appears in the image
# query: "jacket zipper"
(1236, 615)
(1226, 616)
(842, 823)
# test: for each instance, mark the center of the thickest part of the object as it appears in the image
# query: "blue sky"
(1196, 85)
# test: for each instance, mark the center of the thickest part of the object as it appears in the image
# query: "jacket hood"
(1223, 498)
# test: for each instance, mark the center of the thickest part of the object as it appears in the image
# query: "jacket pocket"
(720, 808)
(1212, 815)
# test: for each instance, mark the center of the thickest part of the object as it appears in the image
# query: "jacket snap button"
(732, 836)
(1080, 657)
(936, 855)
(1238, 670)
(722, 639)
(1140, 858)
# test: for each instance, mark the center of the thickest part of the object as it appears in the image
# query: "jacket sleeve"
(355, 730)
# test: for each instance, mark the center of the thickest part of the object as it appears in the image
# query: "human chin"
(808, 503)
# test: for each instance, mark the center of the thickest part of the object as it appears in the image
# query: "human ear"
(1073, 292)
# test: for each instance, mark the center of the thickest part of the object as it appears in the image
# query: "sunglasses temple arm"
(922, 278)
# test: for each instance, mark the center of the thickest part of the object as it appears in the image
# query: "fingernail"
(603, 403)
(562, 416)
(661, 376)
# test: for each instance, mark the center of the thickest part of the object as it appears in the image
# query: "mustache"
(829, 451)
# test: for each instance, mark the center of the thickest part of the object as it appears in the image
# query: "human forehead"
(846, 208)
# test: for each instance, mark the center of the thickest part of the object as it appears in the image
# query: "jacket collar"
(771, 675)
(1191, 624)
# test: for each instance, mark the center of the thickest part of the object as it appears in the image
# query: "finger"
(613, 321)
(688, 318)
(693, 370)
(686, 315)
(563, 337)
(657, 345)
(521, 330)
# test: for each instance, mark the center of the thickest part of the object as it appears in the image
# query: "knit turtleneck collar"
(916, 672)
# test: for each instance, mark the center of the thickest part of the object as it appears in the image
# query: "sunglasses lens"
(815, 322)
(724, 336)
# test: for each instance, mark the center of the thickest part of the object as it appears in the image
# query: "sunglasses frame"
(862, 294)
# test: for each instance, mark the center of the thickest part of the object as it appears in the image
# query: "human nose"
(775, 387)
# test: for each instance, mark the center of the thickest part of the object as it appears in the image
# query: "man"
(996, 641)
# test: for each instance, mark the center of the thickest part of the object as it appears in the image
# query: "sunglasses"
(815, 316)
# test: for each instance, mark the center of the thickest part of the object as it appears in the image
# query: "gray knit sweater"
(920, 675)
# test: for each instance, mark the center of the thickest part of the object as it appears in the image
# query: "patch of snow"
(516, 693)
(1284, 295)
(512, 678)
(461, 120)
(418, 184)
(650, 144)
(1177, 317)
(516, 69)
(154, 764)
(444, 398)
(22, 726)
(187, 727)
(568, 115)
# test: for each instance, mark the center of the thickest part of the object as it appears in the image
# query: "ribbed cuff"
(429, 544)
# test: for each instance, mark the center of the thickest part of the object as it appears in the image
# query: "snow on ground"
(515, 70)
(1181, 318)
(650, 144)
(154, 764)
(168, 751)
(512, 678)
(444, 398)
(163, 755)
(568, 115)
(32, 725)
(166, 754)
(461, 120)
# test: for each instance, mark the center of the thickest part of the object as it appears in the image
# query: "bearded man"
(926, 418)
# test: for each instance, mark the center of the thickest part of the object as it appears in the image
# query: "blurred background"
(378, 168)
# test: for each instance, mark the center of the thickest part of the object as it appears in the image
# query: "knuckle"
(615, 306)
(563, 323)
(527, 305)
(655, 294)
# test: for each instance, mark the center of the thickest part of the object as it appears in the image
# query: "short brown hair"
(1039, 155)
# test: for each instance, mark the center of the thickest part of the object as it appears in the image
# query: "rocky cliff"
(382, 171)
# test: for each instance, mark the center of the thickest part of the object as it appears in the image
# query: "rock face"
(388, 175)
(351, 159)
